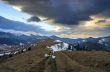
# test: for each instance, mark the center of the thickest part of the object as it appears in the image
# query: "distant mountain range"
(101, 43)
(11, 39)
(8, 38)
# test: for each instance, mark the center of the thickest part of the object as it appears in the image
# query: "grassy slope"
(34, 61)
(94, 59)
(25, 61)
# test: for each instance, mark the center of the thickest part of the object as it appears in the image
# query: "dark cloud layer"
(64, 11)
(34, 19)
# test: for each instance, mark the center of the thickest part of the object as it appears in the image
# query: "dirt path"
(46, 65)
(40, 66)
(53, 66)
(50, 65)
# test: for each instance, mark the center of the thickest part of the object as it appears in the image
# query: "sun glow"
(18, 8)
(90, 24)
(57, 29)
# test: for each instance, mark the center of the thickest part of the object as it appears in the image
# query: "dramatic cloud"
(34, 19)
(71, 18)
(101, 21)
(81, 31)
(64, 11)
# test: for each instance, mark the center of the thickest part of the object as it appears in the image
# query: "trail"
(50, 65)
(46, 65)
(40, 66)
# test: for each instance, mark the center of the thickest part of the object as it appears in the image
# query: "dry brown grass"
(79, 61)
(25, 61)
(94, 59)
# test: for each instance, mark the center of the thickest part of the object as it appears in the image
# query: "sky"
(64, 18)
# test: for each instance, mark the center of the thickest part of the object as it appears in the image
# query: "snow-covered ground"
(58, 41)
(59, 46)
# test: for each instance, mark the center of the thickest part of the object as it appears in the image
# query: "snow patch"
(58, 41)
(59, 47)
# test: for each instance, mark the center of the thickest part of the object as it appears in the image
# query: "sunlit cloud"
(97, 22)
(76, 36)
(18, 8)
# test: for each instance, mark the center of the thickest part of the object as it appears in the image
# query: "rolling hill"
(66, 61)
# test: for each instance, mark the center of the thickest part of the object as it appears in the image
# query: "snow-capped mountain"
(14, 32)
(10, 39)
(101, 43)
